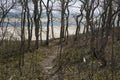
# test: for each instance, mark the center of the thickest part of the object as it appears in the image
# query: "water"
(13, 16)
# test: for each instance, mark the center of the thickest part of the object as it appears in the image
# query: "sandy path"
(48, 65)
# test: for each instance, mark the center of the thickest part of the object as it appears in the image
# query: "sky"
(73, 9)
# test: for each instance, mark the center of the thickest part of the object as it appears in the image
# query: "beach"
(14, 33)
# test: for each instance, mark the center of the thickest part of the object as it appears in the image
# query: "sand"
(14, 33)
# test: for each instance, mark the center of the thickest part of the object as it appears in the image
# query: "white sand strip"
(15, 32)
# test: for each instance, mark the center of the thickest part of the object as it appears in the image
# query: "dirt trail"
(48, 65)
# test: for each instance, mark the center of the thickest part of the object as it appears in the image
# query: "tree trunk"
(36, 22)
(48, 23)
(62, 19)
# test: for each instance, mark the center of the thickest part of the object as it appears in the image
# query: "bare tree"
(67, 13)
(41, 9)
(47, 6)
(36, 21)
(78, 20)
(62, 19)
(22, 45)
(5, 7)
(51, 9)
(29, 24)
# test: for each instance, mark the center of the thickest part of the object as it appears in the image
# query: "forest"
(59, 39)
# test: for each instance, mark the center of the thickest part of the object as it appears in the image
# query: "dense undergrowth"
(77, 62)
(9, 62)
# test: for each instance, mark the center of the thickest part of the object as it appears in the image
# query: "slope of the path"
(48, 65)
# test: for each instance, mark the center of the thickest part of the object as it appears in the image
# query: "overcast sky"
(73, 9)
